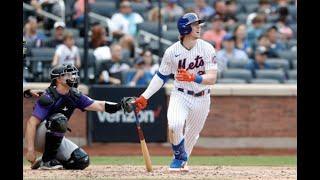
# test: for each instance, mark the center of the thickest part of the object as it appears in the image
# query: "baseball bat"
(144, 148)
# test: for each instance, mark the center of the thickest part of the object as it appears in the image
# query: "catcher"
(46, 127)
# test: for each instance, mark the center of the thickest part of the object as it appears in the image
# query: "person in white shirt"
(67, 53)
(229, 53)
(125, 22)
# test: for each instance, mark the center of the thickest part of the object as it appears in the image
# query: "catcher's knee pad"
(57, 123)
(79, 160)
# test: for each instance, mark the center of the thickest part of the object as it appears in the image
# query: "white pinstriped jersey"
(196, 60)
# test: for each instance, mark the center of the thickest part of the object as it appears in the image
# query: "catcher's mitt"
(127, 104)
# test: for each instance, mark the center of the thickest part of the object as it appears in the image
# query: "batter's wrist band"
(198, 79)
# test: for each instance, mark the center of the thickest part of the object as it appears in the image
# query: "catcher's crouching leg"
(78, 160)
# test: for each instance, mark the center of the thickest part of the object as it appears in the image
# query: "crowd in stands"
(248, 35)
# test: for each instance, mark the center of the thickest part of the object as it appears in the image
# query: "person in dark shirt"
(259, 62)
(57, 39)
(110, 71)
(48, 123)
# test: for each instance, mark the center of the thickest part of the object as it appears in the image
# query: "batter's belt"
(192, 93)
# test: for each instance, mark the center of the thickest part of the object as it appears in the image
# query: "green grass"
(198, 160)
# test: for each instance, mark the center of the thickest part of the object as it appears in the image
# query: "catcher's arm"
(32, 93)
(112, 107)
(30, 134)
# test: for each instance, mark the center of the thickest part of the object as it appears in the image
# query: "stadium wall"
(259, 116)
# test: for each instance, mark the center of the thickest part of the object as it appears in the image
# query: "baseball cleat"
(51, 165)
(178, 165)
(37, 163)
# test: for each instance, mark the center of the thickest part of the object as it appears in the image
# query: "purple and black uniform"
(50, 104)
(64, 104)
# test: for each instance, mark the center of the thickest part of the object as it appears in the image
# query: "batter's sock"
(179, 151)
(53, 141)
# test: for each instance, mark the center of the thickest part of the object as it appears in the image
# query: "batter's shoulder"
(206, 45)
(171, 49)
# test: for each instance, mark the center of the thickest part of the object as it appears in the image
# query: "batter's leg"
(195, 122)
(177, 115)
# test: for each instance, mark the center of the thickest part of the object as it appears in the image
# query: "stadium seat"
(242, 17)
(292, 74)
(79, 42)
(278, 63)
(151, 27)
(125, 74)
(139, 8)
(237, 73)
(231, 81)
(291, 81)
(236, 64)
(288, 54)
(171, 35)
(264, 81)
(171, 26)
(91, 57)
(271, 74)
(294, 63)
(42, 54)
(251, 7)
(187, 5)
(75, 32)
(104, 8)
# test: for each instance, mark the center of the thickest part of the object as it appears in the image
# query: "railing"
(45, 13)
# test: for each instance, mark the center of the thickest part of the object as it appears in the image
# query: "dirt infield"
(161, 172)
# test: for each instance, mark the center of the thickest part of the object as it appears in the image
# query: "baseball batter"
(48, 123)
(193, 63)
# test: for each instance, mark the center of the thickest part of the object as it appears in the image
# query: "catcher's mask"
(69, 73)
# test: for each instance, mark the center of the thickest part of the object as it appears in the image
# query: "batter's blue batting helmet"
(184, 23)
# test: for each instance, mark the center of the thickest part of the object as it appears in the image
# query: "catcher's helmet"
(64, 69)
(184, 23)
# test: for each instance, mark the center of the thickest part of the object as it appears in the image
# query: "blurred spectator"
(125, 22)
(145, 69)
(256, 29)
(264, 7)
(172, 11)
(78, 16)
(153, 15)
(99, 43)
(284, 16)
(220, 9)
(231, 11)
(33, 37)
(125, 26)
(110, 72)
(241, 42)
(285, 34)
(231, 7)
(51, 6)
(57, 39)
(67, 53)
(259, 61)
(216, 33)
(203, 10)
(275, 45)
(229, 52)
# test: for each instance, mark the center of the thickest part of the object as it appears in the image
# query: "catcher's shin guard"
(56, 127)
(79, 160)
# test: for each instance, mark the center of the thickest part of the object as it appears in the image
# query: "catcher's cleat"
(36, 164)
(178, 166)
(50, 165)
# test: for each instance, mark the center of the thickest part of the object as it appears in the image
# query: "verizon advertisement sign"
(120, 126)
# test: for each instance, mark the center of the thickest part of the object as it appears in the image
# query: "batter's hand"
(140, 103)
(184, 75)
(31, 156)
